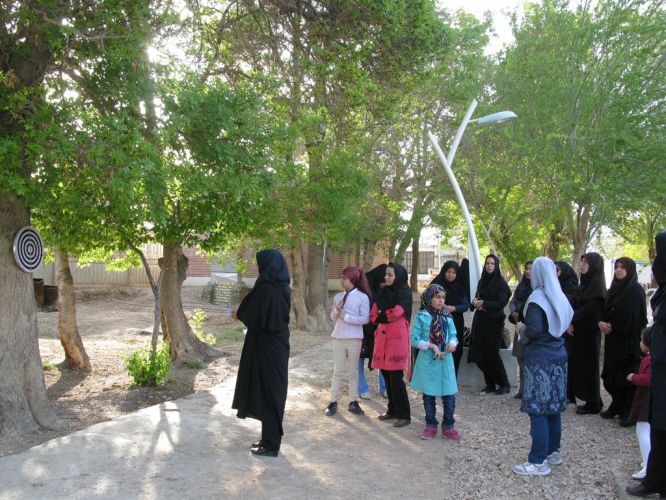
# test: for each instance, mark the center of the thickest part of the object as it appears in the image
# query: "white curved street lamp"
(475, 266)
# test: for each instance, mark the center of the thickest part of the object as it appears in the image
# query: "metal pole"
(474, 253)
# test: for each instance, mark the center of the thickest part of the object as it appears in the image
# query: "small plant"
(196, 322)
(48, 366)
(195, 365)
(147, 367)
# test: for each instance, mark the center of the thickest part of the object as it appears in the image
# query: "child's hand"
(629, 377)
(450, 348)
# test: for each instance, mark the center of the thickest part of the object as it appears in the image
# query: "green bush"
(147, 367)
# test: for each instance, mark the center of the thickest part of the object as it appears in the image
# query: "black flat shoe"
(257, 444)
(626, 423)
(503, 389)
(387, 416)
(609, 413)
(583, 410)
(262, 451)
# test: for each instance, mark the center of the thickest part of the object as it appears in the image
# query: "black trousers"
(398, 401)
(493, 369)
(621, 391)
(655, 477)
(270, 433)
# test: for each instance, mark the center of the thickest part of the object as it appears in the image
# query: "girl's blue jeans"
(430, 406)
(546, 432)
(363, 382)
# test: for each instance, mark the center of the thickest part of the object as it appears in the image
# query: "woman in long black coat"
(655, 479)
(623, 319)
(457, 301)
(261, 386)
(492, 294)
(569, 284)
(585, 336)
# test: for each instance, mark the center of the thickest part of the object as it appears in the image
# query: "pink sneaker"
(451, 433)
(429, 433)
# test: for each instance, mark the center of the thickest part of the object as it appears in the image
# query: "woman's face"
(389, 278)
(528, 271)
(346, 283)
(559, 271)
(450, 275)
(490, 265)
(437, 301)
(584, 266)
(620, 271)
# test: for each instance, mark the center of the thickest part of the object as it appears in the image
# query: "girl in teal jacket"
(434, 334)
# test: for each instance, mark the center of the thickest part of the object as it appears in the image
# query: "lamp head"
(501, 117)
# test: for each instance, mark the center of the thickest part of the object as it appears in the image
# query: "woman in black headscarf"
(623, 318)
(655, 479)
(392, 312)
(516, 305)
(569, 284)
(585, 337)
(261, 386)
(567, 278)
(456, 301)
(375, 279)
(492, 294)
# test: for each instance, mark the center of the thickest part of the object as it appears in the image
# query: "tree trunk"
(579, 233)
(368, 254)
(68, 331)
(23, 402)
(315, 299)
(414, 278)
(303, 320)
(184, 345)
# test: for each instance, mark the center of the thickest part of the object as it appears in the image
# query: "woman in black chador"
(456, 301)
(655, 479)
(569, 284)
(623, 318)
(492, 294)
(261, 387)
(585, 337)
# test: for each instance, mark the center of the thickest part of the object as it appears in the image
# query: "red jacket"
(642, 378)
(391, 340)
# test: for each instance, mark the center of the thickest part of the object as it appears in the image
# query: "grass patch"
(236, 335)
(48, 366)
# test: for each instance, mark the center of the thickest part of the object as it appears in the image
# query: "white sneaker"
(555, 458)
(529, 469)
(365, 395)
(639, 475)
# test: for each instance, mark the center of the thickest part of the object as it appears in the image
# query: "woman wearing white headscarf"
(547, 315)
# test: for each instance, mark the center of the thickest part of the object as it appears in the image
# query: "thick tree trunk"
(315, 296)
(23, 402)
(184, 345)
(68, 331)
(414, 278)
(303, 320)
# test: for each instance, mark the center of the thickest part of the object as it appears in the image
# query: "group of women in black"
(619, 314)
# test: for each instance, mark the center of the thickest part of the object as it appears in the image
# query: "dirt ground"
(114, 322)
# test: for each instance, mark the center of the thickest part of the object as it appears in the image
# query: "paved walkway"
(196, 448)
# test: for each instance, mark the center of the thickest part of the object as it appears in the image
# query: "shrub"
(147, 367)
(196, 322)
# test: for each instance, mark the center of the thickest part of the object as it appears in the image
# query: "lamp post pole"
(475, 267)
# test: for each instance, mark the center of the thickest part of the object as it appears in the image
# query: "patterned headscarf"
(439, 326)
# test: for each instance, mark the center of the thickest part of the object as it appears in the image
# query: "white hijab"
(547, 294)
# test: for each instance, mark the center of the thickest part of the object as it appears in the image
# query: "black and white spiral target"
(28, 249)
